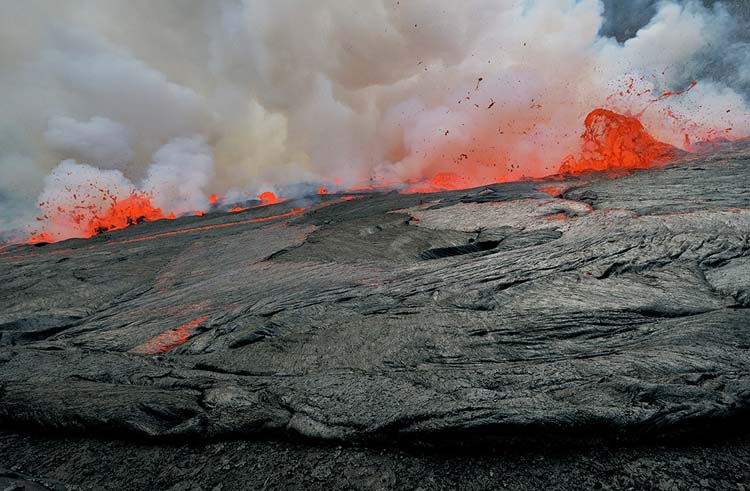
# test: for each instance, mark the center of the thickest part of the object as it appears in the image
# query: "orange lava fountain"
(89, 219)
(614, 141)
(268, 198)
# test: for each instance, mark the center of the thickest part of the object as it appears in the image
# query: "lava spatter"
(133, 210)
(92, 215)
(613, 141)
(268, 198)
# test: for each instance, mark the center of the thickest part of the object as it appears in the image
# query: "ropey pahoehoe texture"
(617, 304)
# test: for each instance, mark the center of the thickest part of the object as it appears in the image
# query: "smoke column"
(176, 100)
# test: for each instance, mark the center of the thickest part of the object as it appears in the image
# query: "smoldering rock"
(620, 305)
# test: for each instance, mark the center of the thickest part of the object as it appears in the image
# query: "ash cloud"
(187, 98)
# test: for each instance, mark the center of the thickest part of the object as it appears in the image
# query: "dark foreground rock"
(597, 310)
(284, 465)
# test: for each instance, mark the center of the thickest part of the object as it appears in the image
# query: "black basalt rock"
(495, 316)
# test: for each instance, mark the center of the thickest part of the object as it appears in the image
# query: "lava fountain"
(614, 141)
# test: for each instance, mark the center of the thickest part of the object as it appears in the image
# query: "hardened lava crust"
(573, 310)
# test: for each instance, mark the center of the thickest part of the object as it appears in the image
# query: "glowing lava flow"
(267, 198)
(171, 339)
(613, 141)
(189, 230)
(610, 142)
(96, 214)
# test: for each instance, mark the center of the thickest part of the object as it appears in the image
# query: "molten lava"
(89, 217)
(614, 141)
(442, 181)
(610, 142)
(171, 233)
(268, 198)
(135, 209)
(171, 339)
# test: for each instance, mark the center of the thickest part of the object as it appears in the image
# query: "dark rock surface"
(616, 311)
(270, 465)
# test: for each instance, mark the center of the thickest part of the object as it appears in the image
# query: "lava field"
(596, 328)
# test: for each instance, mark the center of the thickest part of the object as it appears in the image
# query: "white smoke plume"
(180, 172)
(185, 98)
(99, 140)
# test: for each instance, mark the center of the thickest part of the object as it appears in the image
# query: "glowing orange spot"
(367, 187)
(268, 198)
(553, 190)
(322, 190)
(171, 339)
(558, 217)
(215, 198)
(283, 215)
(238, 209)
(445, 180)
(40, 238)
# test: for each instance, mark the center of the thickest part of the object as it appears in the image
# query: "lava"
(136, 208)
(292, 212)
(94, 214)
(189, 230)
(89, 217)
(610, 142)
(171, 339)
(614, 141)
(554, 191)
(442, 181)
(268, 198)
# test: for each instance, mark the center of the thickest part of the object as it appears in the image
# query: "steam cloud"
(184, 98)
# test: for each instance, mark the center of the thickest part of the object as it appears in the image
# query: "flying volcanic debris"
(119, 112)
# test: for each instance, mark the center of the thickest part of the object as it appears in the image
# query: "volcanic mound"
(613, 141)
